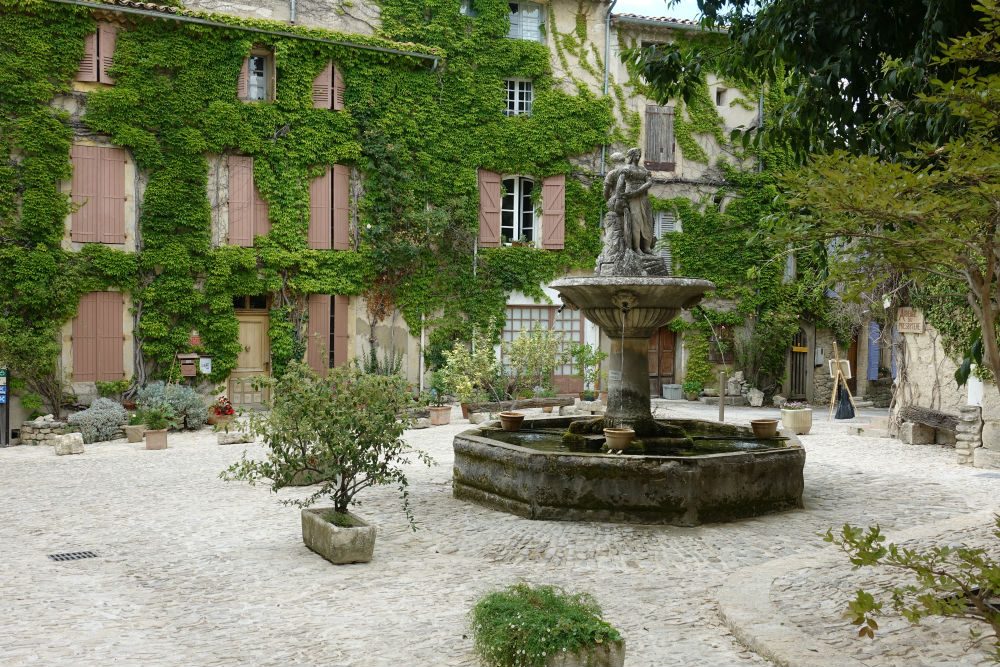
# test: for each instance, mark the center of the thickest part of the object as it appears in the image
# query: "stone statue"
(638, 212)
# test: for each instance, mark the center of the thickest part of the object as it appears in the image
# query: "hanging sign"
(910, 320)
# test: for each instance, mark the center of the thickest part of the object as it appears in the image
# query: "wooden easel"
(838, 377)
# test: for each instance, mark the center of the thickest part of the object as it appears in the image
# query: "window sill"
(660, 166)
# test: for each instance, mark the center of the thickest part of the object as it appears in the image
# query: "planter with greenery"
(796, 417)
(186, 404)
(587, 365)
(692, 389)
(157, 419)
(440, 412)
(136, 427)
(221, 413)
(524, 626)
(345, 431)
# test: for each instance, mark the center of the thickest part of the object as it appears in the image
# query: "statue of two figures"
(628, 225)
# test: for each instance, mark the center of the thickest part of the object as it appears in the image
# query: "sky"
(684, 9)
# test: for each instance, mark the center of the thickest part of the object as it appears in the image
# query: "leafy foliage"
(187, 407)
(523, 626)
(587, 362)
(101, 421)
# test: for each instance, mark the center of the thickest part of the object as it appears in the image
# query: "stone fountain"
(680, 471)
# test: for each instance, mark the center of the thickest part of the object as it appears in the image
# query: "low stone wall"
(42, 431)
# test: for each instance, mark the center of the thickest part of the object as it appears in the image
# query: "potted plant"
(136, 427)
(345, 431)
(619, 438)
(587, 366)
(158, 419)
(692, 389)
(544, 625)
(221, 412)
(797, 417)
(764, 428)
(511, 421)
(440, 413)
(466, 373)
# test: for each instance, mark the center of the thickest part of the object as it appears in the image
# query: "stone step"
(730, 400)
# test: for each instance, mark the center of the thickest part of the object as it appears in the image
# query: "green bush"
(522, 626)
(100, 421)
(187, 405)
(112, 389)
(158, 418)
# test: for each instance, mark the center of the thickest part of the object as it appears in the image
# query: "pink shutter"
(261, 212)
(241, 200)
(243, 81)
(554, 212)
(88, 66)
(338, 89)
(340, 316)
(85, 193)
(341, 207)
(489, 209)
(111, 210)
(320, 211)
(85, 338)
(322, 85)
(318, 328)
(110, 365)
(107, 37)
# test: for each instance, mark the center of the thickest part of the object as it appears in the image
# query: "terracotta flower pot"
(465, 410)
(547, 409)
(156, 439)
(619, 438)
(214, 418)
(440, 414)
(511, 421)
(603, 397)
(764, 428)
(797, 421)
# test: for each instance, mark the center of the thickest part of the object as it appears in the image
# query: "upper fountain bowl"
(631, 306)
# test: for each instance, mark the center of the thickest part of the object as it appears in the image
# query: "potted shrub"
(158, 420)
(136, 427)
(543, 626)
(440, 413)
(345, 431)
(222, 412)
(467, 373)
(797, 417)
(692, 389)
(764, 428)
(587, 366)
(511, 421)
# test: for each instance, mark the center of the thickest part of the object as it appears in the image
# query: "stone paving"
(196, 572)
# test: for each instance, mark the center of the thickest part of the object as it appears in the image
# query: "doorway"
(254, 359)
(798, 366)
(661, 360)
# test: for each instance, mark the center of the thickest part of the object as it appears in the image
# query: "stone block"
(598, 655)
(756, 397)
(991, 434)
(944, 437)
(71, 443)
(421, 422)
(479, 417)
(916, 434)
(232, 438)
(779, 400)
(985, 458)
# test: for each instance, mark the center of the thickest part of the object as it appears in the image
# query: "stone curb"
(747, 610)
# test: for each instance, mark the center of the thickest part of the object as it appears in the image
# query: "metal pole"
(722, 396)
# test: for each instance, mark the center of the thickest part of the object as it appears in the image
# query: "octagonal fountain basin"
(723, 473)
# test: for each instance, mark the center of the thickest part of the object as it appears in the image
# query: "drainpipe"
(760, 123)
(421, 362)
(291, 11)
(607, 66)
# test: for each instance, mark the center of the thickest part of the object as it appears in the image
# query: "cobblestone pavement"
(196, 572)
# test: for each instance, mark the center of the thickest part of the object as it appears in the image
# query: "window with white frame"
(665, 224)
(467, 9)
(526, 21)
(519, 97)
(257, 77)
(517, 210)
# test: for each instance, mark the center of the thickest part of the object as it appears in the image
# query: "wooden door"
(253, 360)
(798, 369)
(661, 360)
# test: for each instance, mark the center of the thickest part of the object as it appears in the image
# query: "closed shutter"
(659, 138)
(107, 36)
(318, 338)
(322, 88)
(341, 207)
(321, 211)
(111, 223)
(338, 89)
(341, 306)
(874, 350)
(554, 212)
(98, 346)
(85, 194)
(85, 339)
(261, 213)
(666, 224)
(241, 200)
(243, 81)
(489, 209)
(88, 65)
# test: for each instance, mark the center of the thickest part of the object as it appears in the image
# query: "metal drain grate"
(73, 555)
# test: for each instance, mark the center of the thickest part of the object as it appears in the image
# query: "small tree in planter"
(796, 417)
(439, 411)
(157, 419)
(587, 362)
(345, 433)
(524, 626)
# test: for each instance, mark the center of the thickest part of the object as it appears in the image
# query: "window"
(98, 193)
(466, 8)
(567, 322)
(328, 88)
(517, 210)
(720, 97)
(250, 302)
(526, 21)
(256, 80)
(659, 138)
(664, 225)
(98, 338)
(519, 97)
(98, 54)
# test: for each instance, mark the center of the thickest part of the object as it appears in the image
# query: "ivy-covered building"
(257, 182)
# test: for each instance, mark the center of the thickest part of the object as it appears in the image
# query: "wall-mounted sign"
(4, 410)
(205, 365)
(910, 320)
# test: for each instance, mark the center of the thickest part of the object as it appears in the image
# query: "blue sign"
(3, 399)
(3, 390)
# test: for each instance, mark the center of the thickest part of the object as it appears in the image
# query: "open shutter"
(110, 362)
(88, 66)
(85, 339)
(489, 209)
(874, 350)
(318, 340)
(659, 137)
(261, 217)
(554, 212)
(341, 207)
(320, 211)
(243, 81)
(107, 36)
(241, 200)
(338, 89)
(666, 223)
(111, 212)
(85, 193)
(340, 316)
(322, 88)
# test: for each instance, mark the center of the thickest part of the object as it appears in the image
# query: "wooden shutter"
(107, 37)
(241, 200)
(341, 207)
(322, 88)
(243, 81)
(85, 339)
(111, 197)
(341, 311)
(85, 194)
(554, 212)
(318, 338)
(97, 338)
(321, 211)
(665, 224)
(659, 138)
(88, 66)
(489, 209)
(338, 89)
(261, 212)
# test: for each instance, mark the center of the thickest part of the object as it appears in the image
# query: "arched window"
(517, 210)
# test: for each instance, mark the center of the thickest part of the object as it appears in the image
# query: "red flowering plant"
(223, 407)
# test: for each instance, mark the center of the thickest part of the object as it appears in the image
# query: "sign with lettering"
(205, 365)
(910, 320)
(4, 409)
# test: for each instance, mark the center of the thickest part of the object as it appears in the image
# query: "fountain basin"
(683, 490)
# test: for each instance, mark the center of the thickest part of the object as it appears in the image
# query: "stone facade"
(822, 382)
(42, 431)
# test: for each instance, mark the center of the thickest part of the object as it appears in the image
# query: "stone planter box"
(338, 545)
(156, 439)
(134, 432)
(440, 415)
(797, 421)
(598, 655)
